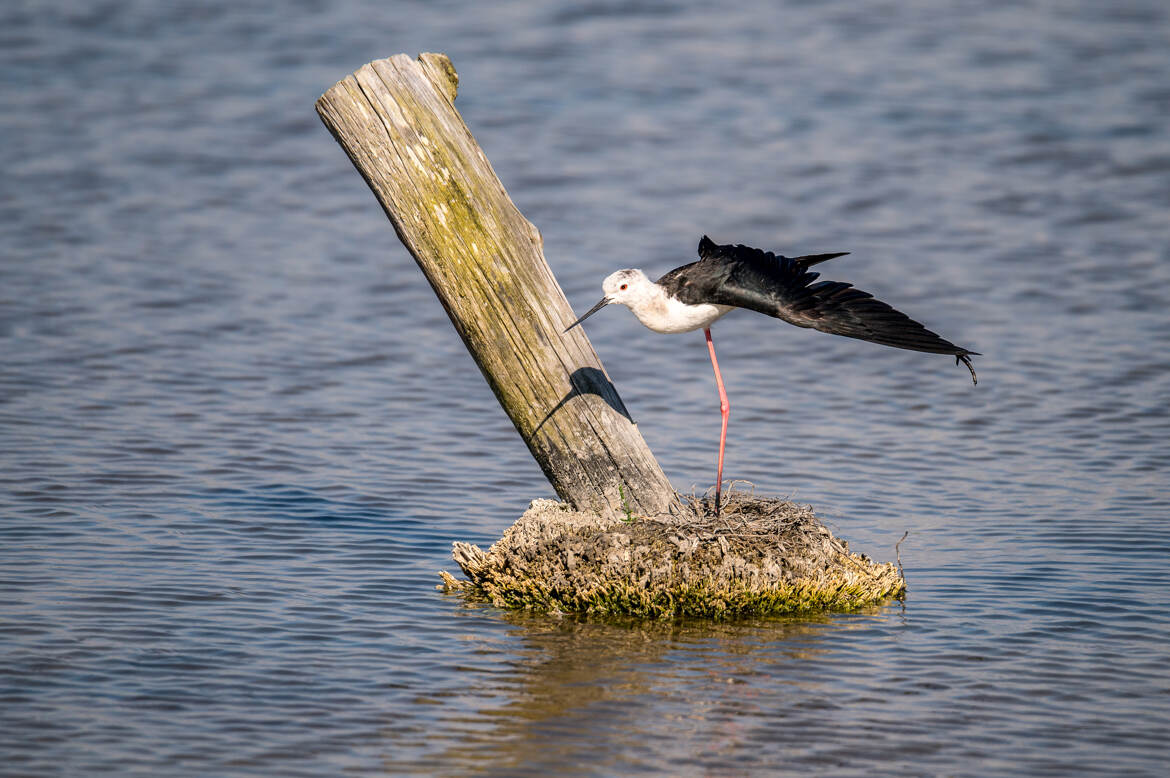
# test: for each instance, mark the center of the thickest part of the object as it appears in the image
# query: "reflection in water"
(585, 693)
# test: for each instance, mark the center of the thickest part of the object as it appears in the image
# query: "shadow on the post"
(589, 380)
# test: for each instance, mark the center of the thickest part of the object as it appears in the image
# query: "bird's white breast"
(663, 313)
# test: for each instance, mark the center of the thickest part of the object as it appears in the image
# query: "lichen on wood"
(759, 557)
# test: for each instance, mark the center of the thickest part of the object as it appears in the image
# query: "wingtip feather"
(966, 360)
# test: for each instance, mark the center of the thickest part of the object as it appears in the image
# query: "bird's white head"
(628, 287)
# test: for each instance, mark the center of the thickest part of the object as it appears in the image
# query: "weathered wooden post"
(396, 120)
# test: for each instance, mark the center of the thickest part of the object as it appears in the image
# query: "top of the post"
(436, 67)
(441, 73)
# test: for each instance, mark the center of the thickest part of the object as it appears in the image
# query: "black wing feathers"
(816, 259)
(708, 247)
(784, 287)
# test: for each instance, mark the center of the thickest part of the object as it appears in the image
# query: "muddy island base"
(760, 557)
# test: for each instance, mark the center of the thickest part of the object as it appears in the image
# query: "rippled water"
(238, 434)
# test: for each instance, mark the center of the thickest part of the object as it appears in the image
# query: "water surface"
(238, 434)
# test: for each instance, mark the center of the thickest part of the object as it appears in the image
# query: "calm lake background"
(238, 434)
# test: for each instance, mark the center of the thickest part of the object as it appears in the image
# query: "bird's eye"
(623, 287)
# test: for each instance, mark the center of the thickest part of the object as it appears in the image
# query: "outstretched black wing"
(784, 287)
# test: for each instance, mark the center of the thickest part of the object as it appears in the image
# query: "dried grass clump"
(761, 556)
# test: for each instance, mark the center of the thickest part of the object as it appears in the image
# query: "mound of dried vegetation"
(761, 556)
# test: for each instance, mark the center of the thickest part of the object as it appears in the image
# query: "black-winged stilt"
(694, 296)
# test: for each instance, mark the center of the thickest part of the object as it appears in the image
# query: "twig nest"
(761, 556)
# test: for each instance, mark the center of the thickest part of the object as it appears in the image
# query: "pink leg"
(724, 411)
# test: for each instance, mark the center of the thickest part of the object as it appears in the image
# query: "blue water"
(238, 434)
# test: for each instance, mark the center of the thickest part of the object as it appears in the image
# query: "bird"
(726, 277)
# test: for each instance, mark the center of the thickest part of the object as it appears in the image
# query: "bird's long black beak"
(604, 302)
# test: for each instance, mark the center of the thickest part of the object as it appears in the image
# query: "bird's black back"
(784, 287)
